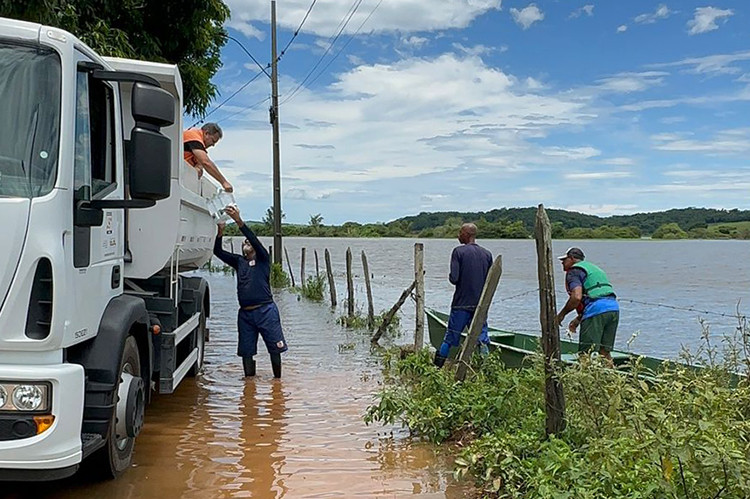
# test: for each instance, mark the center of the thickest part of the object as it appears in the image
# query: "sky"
(602, 107)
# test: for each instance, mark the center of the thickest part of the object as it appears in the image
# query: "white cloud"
(586, 9)
(404, 16)
(710, 64)
(527, 16)
(705, 19)
(632, 82)
(731, 141)
(618, 161)
(466, 118)
(603, 210)
(477, 50)
(597, 175)
(622, 28)
(416, 42)
(661, 12)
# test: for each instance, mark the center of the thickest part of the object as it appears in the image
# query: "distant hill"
(686, 218)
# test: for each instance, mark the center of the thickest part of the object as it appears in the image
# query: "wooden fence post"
(349, 283)
(289, 266)
(317, 266)
(388, 317)
(480, 316)
(302, 269)
(331, 282)
(553, 389)
(270, 252)
(370, 308)
(419, 295)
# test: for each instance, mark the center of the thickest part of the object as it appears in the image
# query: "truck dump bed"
(178, 232)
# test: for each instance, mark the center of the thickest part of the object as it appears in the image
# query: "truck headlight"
(25, 396)
(28, 397)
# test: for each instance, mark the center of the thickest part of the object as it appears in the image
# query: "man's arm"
(260, 252)
(223, 255)
(455, 271)
(574, 280)
(201, 157)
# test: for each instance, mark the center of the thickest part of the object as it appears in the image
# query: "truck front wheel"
(127, 414)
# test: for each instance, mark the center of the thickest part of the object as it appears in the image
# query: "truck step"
(91, 442)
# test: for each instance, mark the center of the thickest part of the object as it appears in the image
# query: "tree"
(268, 217)
(316, 221)
(189, 33)
(669, 231)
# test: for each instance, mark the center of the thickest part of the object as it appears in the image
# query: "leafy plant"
(314, 288)
(279, 278)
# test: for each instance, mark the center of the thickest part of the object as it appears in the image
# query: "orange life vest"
(192, 135)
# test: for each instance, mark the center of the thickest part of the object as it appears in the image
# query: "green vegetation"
(518, 223)
(279, 278)
(314, 288)
(189, 34)
(359, 321)
(685, 435)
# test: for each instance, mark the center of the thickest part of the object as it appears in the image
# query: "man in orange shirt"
(195, 143)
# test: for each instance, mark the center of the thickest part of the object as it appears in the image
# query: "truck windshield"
(29, 119)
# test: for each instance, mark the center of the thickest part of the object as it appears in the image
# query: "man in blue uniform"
(258, 313)
(470, 264)
(593, 297)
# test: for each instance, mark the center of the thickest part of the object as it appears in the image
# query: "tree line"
(517, 223)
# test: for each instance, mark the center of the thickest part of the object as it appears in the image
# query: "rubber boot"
(248, 364)
(276, 364)
(439, 360)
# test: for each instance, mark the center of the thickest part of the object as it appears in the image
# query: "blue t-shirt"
(470, 264)
(591, 306)
(253, 276)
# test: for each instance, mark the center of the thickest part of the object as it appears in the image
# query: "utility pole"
(276, 155)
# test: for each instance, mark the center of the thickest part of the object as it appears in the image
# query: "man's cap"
(576, 253)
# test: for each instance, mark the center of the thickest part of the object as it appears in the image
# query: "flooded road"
(298, 437)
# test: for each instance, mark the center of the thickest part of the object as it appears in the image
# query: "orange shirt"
(189, 139)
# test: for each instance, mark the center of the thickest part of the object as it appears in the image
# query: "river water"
(303, 436)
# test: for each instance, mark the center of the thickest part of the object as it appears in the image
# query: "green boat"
(515, 348)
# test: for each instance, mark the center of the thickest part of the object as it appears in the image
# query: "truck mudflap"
(57, 451)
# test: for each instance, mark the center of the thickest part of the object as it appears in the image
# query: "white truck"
(99, 216)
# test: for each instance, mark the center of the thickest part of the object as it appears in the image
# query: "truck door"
(98, 250)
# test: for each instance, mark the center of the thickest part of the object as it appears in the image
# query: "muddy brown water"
(299, 437)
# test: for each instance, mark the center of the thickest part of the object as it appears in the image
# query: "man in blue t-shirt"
(470, 264)
(593, 297)
(258, 313)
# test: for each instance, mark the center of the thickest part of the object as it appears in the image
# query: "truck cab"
(100, 217)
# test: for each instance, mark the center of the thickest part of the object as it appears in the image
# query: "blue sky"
(604, 107)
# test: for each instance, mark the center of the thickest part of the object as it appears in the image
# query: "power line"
(228, 98)
(351, 37)
(263, 69)
(343, 23)
(244, 109)
(296, 32)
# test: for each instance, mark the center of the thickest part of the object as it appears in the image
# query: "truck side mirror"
(150, 154)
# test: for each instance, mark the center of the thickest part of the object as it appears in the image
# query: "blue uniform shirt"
(574, 278)
(470, 264)
(253, 277)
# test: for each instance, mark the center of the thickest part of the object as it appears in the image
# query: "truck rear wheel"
(127, 414)
(200, 342)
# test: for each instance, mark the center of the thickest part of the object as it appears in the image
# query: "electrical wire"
(343, 23)
(228, 98)
(263, 69)
(351, 37)
(296, 32)
(244, 109)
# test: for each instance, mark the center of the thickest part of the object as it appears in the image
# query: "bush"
(314, 288)
(279, 278)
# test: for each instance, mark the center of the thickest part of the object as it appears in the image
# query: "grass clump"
(314, 288)
(279, 279)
